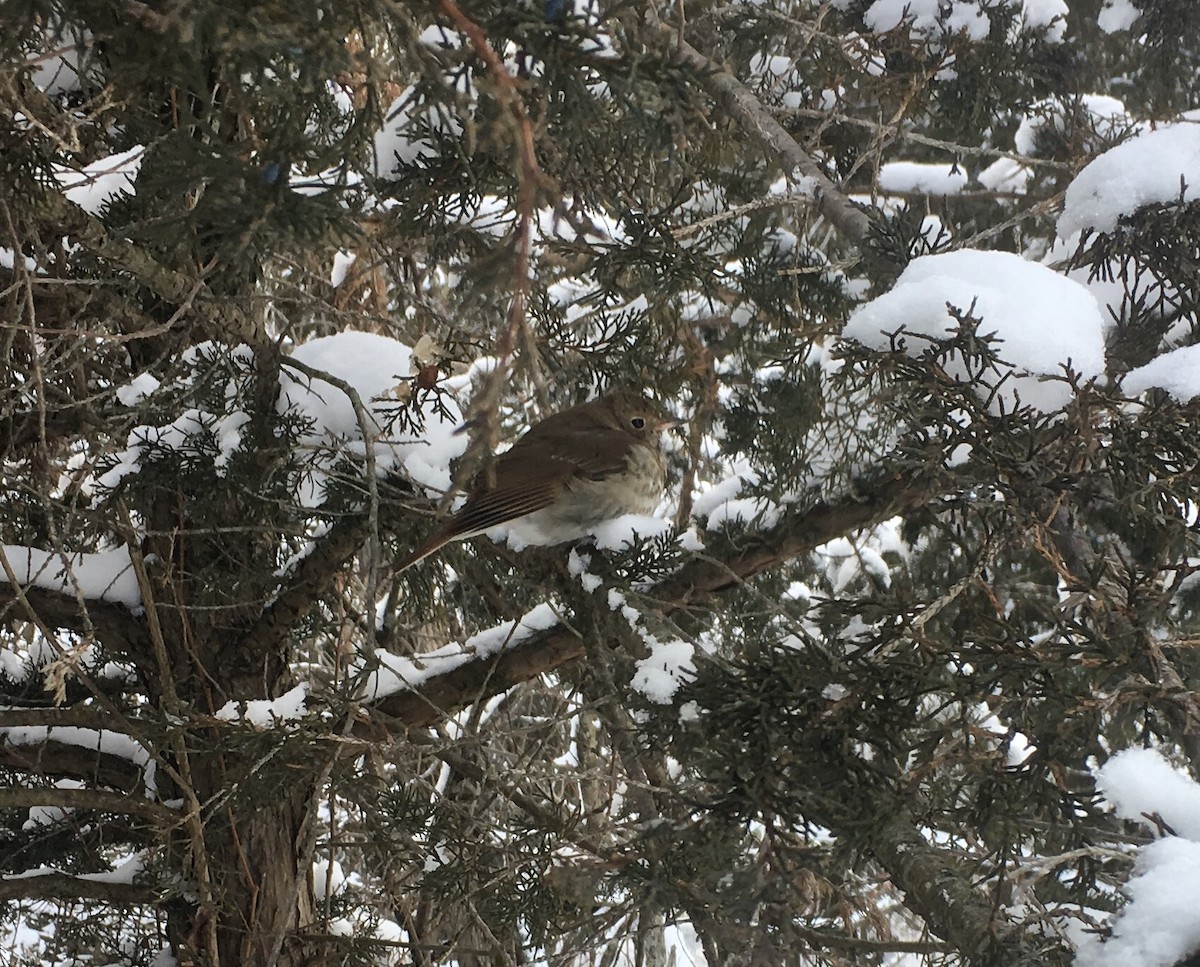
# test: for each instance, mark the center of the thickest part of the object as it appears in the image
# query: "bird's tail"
(443, 536)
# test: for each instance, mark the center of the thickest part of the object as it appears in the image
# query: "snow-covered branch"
(693, 586)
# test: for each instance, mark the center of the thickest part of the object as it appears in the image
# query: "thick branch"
(65, 888)
(114, 624)
(25, 797)
(306, 581)
(940, 889)
(60, 760)
(77, 718)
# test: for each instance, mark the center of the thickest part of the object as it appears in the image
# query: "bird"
(568, 473)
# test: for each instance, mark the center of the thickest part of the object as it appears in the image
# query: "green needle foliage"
(845, 707)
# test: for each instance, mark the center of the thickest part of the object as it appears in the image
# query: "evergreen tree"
(896, 678)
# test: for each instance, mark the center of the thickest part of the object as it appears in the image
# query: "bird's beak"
(667, 424)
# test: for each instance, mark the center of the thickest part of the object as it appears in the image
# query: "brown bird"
(568, 473)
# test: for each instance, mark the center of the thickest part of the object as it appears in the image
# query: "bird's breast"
(585, 502)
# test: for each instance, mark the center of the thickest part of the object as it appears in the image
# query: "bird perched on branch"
(568, 473)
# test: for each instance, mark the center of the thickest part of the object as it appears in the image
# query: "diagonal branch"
(758, 123)
(940, 891)
(693, 586)
(120, 629)
(308, 578)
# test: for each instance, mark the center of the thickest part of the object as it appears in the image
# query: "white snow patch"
(329, 879)
(123, 873)
(620, 532)
(397, 673)
(1117, 15)
(1159, 926)
(66, 58)
(1177, 372)
(105, 742)
(669, 665)
(100, 575)
(341, 267)
(407, 134)
(1005, 174)
(929, 17)
(1042, 320)
(137, 389)
(95, 185)
(1157, 167)
(269, 712)
(1048, 15)
(1139, 782)
(1107, 117)
(372, 365)
(933, 179)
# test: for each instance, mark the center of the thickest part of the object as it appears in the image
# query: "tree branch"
(329, 555)
(941, 893)
(67, 889)
(692, 586)
(758, 122)
(120, 630)
(25, 797)
(61, 760)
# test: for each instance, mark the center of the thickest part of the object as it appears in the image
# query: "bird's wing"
(527, 479)
(592, 452)
(521, 487)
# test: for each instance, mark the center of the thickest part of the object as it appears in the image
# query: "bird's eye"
(638, 422)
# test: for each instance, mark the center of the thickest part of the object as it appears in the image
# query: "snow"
(1043, 321)
(397, 673)
(849, 560)
(1117, 15)
(720, 503)
(373, 365)
(49, 815)
(930, 17)
(329, 879)
(123, 873)
(340, 927)
(1107, 116)
(1004, 174)
(1157, 167)
(267, 713)
(61, 67)
(577, 565)
(1140, 781)
(1177, 372)
(105, 742)
(100, 575)
(96, 185)
(187, 433)
(618, 602)
(933, 179)
(621, 532)
(1159, 926)
(137, 389)
(1050, 15)
(8, 260)
(669, 665)
(341, 267)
